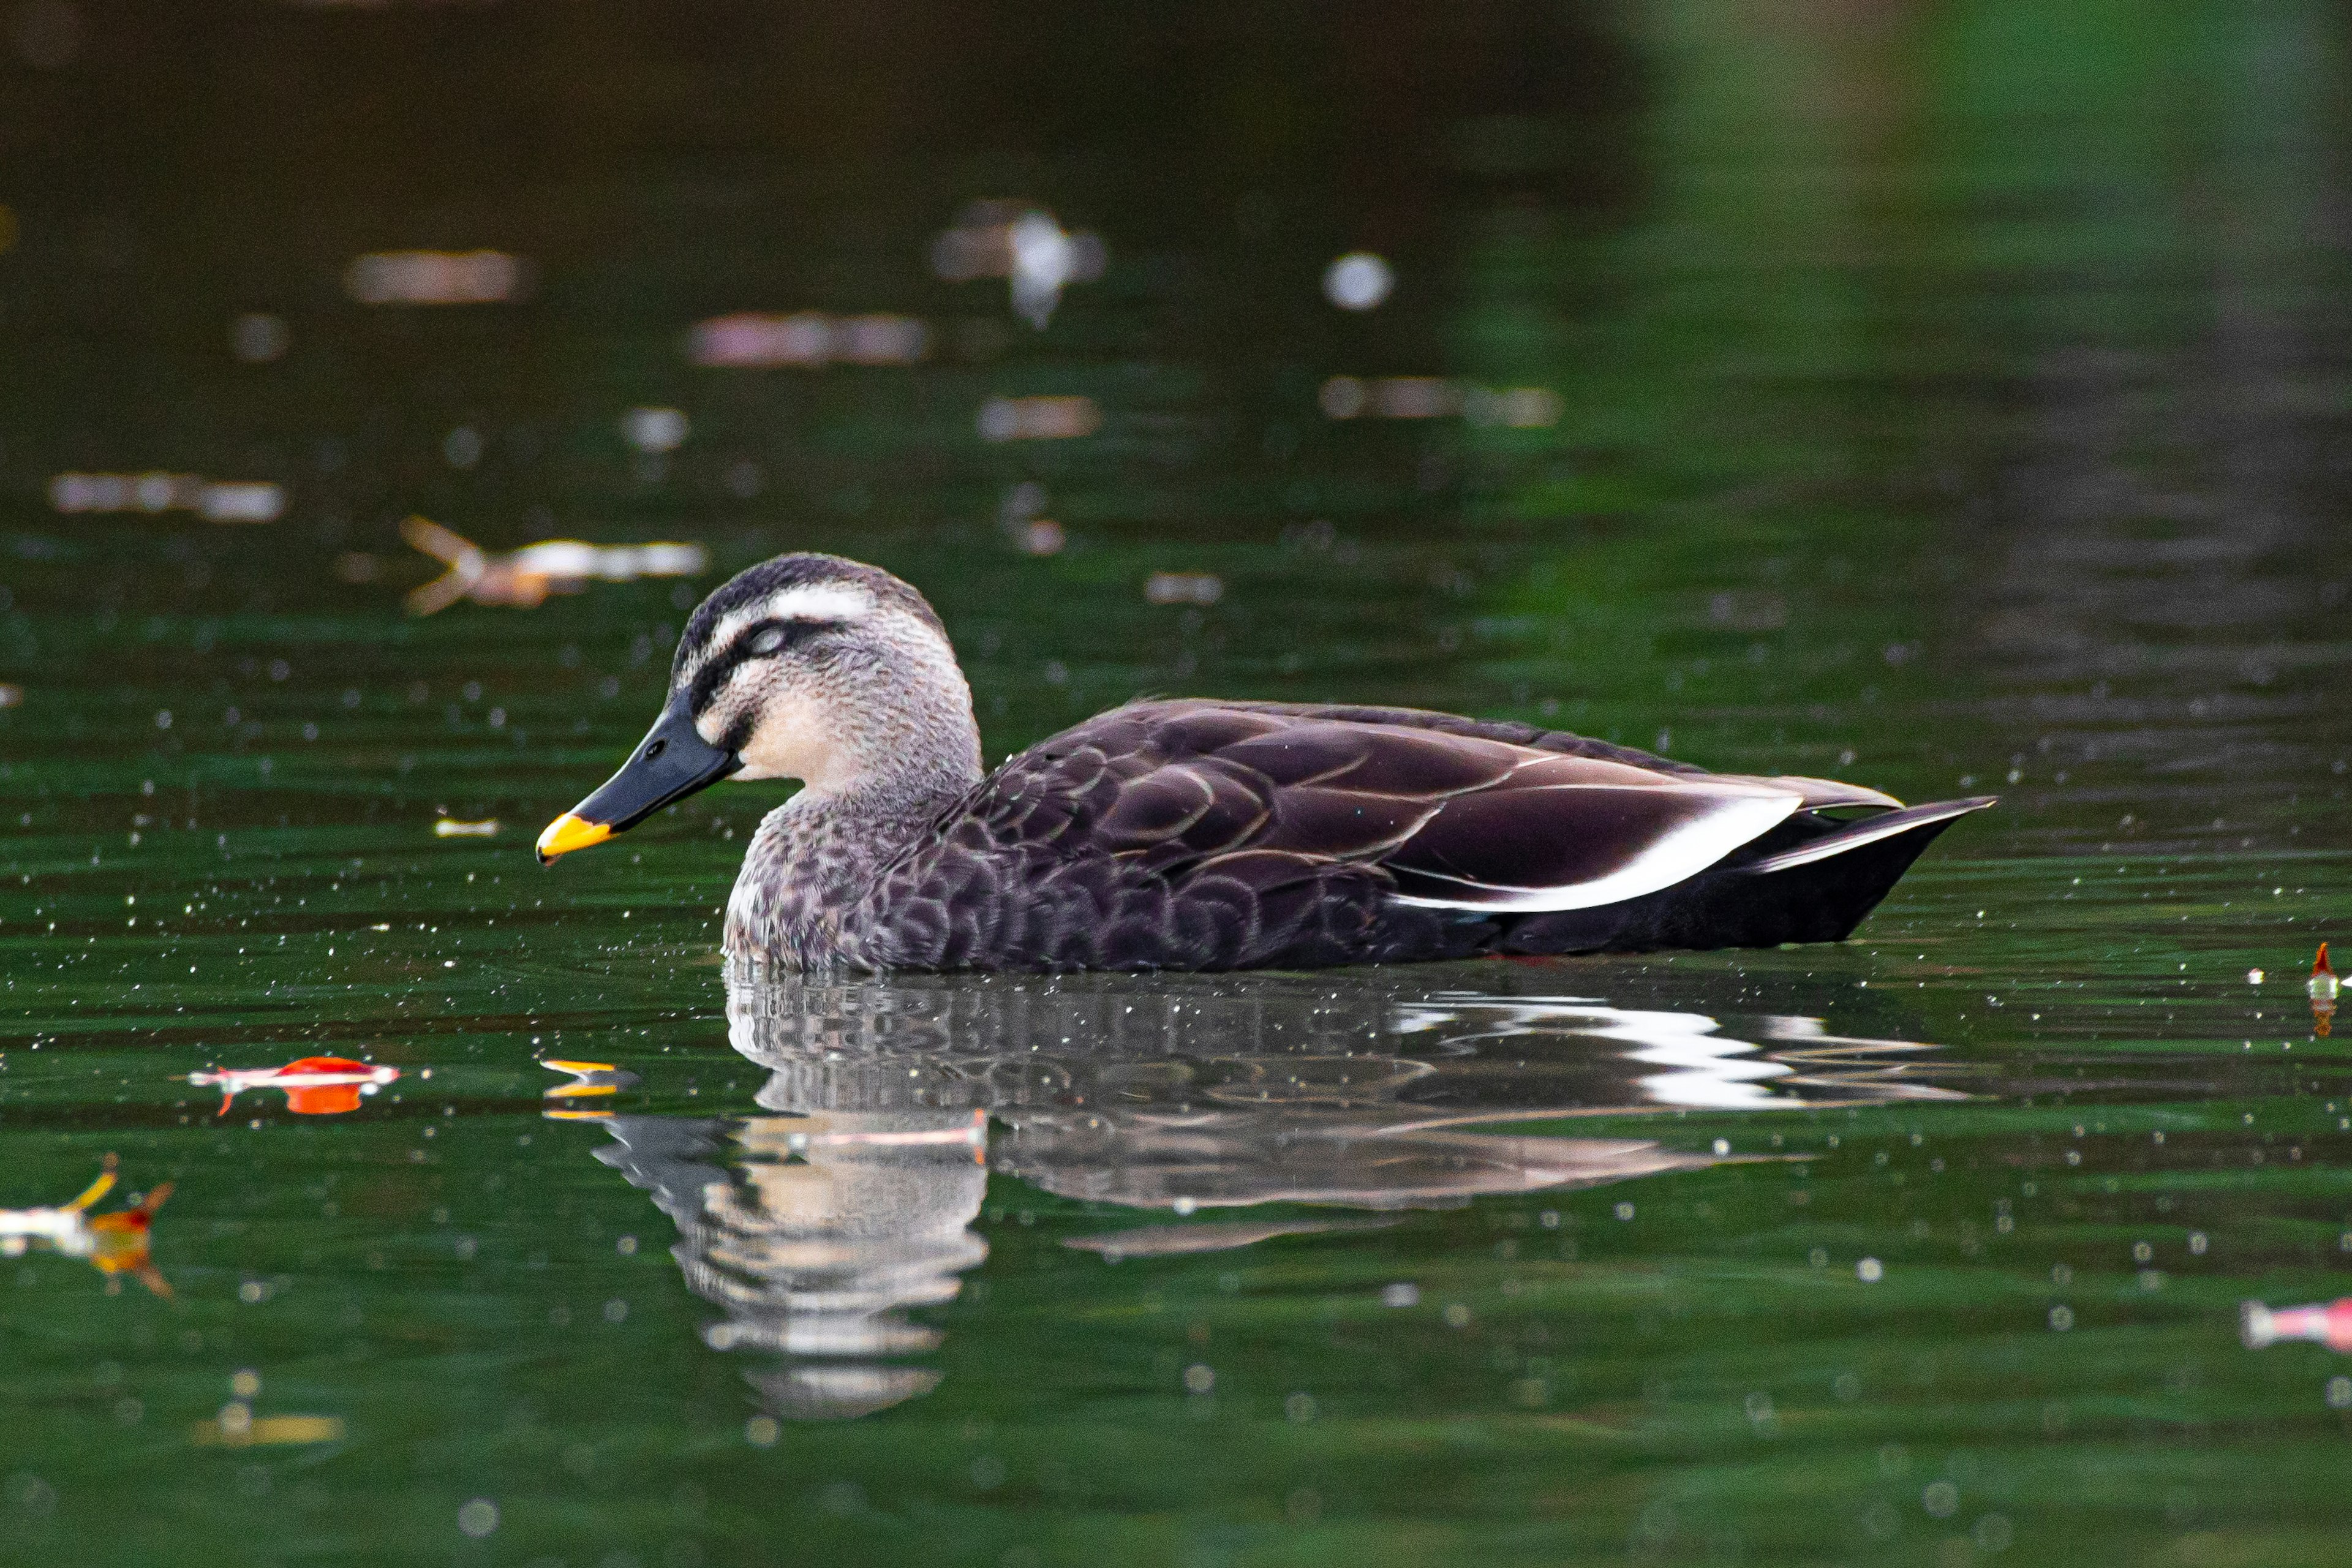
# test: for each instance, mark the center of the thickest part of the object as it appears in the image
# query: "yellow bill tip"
(568, 833)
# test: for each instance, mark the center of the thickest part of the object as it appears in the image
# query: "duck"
(1200, 833)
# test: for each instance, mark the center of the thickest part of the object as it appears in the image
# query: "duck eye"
(767, 639)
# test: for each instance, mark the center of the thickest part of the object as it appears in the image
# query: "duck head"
(805, 667)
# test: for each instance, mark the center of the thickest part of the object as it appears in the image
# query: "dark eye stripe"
(713, 674)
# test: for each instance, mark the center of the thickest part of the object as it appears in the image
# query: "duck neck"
(899, 761)
(892, 762)
(885, 809)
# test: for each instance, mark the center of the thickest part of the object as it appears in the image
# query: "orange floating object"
(119, 1243)
(2329, 1324)
(2322, 988)
(115, 1244)
(329, 1091)
(314, 1086)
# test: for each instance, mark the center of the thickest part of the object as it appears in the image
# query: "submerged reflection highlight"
(814, 1246)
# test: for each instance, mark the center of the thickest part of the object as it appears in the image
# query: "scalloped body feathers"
(1207, 835)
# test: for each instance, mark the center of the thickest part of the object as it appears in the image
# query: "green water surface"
(1950, 399)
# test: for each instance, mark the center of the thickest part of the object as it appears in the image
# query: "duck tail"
(1826, 885)
(1846, 838)
(1813, 879)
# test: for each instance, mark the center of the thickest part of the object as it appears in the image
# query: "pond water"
(1950, 399)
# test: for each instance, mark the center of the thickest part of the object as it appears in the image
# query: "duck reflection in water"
(817, 1227)
(814, 1240)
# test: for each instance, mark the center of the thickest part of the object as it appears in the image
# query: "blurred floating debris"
(756, 340)
(1184, 588)
(655, 429)
(114, 1243)
(1359, 281)
(241, 502)
(437, 277)
(1045, 259)
(1518, 407)
(257, 337)
(806, 340)
(227, 500)
(359, 566)
(10, 695)
(2329, 1324)
(1024, 245)
(880, 340)
(587, 1079)
(1433, 397)
(451, 828)
(2322, 988)
(236, 1427)
(1038, 418)
(563, 560)
(971, 1134)
(1414, 397)
(314, 1086)
(1387, 397)
(526, 577)
(1176, 1240)
(1022, 501)
(1020, 514)
(150, 492)
(1747, 610)
(462, 447)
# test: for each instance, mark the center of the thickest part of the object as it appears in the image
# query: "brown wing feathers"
(1431, 804)
(1193, 833)
(1538, 837)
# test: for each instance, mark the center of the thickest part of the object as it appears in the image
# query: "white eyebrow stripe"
(812, 602)
(820, 601)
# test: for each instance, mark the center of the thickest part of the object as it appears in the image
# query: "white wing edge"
(1672, 858)
(1869, 831)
